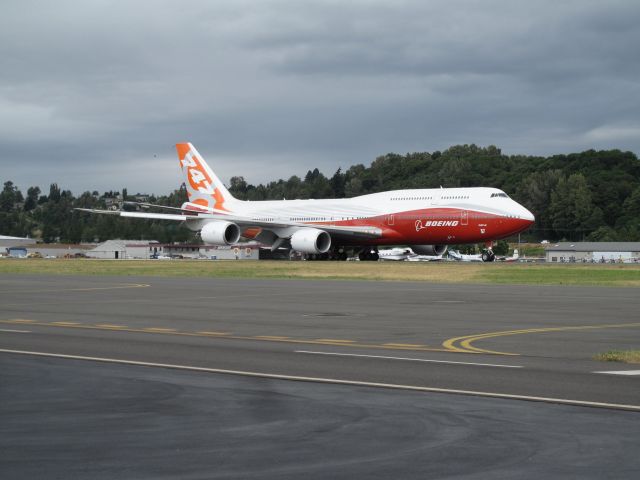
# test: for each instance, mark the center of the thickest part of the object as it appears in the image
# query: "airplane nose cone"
(524, 216)
(522, 213)
(528, 216)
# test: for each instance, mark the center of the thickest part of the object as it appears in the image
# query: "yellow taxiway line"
(226, 335)
(464, 344)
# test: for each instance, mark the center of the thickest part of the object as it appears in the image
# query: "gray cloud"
(94, 94)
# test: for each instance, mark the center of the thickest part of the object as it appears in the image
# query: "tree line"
(592, 195)
(51, 217)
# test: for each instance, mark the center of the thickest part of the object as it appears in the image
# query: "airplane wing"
(148, 215)
(280, 228)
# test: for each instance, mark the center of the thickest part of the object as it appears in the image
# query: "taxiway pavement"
(507, 342)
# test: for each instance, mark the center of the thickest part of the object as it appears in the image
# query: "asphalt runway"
(114, 421)
(388, 373)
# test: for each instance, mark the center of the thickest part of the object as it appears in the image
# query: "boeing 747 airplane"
(425, 219)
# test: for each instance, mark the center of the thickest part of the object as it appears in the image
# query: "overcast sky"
(94, 94)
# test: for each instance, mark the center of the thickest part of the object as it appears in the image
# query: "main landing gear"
(339, 254)
(369, 254)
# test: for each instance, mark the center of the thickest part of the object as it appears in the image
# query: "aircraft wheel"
(488, 256)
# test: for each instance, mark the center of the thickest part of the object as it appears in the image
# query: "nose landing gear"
(488, 255)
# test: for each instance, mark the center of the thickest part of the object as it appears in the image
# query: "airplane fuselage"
(425, 216)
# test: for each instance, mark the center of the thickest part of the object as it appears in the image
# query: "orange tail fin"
(204, 188)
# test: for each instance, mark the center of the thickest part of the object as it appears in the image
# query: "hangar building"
(594, 252)
(121, 249)
(132, 249)
(15, 241)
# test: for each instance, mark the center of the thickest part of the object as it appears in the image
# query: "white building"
(132, 249)
(596, 252)
(242, 251)
(6, 241)
(123, 249)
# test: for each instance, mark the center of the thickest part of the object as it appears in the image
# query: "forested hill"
(593, 195)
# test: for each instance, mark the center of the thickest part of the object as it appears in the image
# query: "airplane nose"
(527, 215)
(523, 214)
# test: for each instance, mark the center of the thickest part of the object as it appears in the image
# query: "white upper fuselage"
(476, 199)
(437, 215)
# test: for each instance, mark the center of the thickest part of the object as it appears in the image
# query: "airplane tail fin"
(204, 188)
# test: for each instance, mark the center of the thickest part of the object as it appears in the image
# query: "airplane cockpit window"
(501, 194)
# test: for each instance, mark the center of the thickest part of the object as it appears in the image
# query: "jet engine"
(429, 249)
(311, 240)
(220, 233)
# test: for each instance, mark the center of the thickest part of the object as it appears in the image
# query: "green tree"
(337, 183)
(501, 247)
(572, 210)
(9, 196)
(238, 187)
(630, 209)
(33, 194)
(603, 234)
(54, 193)
(534, 192)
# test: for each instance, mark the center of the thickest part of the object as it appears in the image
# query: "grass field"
(624, 356)
(531, 274)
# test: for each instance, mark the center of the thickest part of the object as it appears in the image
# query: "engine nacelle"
(429, 249)
(311, 240)
(220, 233)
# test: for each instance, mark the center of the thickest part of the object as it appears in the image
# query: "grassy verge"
(529, 274)
(580, 274)
(624, 356)
(242, 269)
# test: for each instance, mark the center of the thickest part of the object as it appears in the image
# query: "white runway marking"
(14, 331)
(333, 381)
(621, 372)
(409, 359)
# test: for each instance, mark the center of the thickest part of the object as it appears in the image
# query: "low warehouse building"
(7, 242)
(122, 249)
(593, 252)
(132, 249)
(241, 251)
